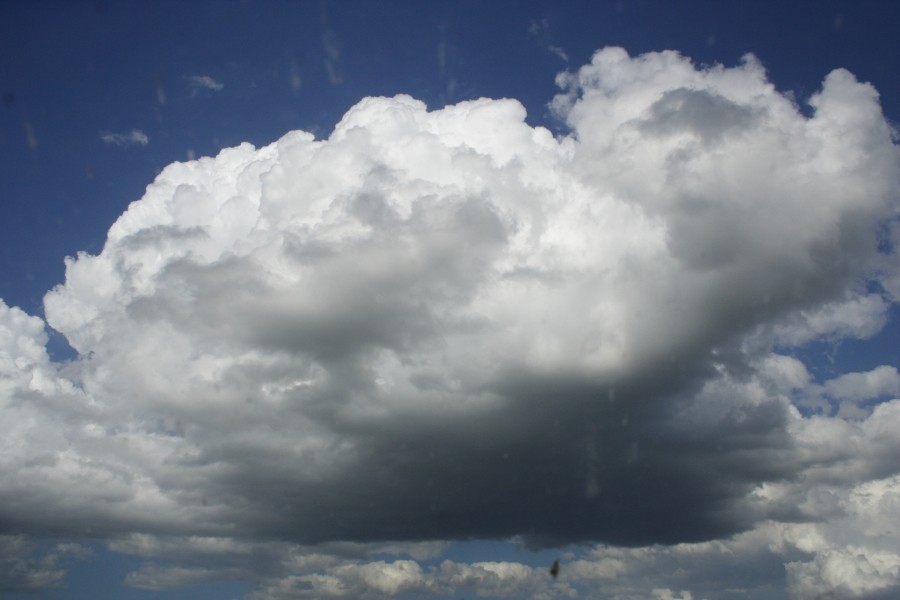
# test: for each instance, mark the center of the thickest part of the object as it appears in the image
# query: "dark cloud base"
(556, 463)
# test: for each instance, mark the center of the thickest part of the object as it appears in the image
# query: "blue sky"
(432, 344)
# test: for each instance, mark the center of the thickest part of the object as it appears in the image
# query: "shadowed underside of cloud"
(452, 325)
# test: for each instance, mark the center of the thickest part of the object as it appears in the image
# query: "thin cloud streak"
(540, 31)
(203, 82)
(133, 137)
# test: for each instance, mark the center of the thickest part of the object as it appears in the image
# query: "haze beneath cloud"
(311, 364)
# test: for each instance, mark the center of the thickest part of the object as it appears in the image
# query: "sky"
(408, 300)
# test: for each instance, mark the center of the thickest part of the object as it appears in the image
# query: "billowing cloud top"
(450, 324)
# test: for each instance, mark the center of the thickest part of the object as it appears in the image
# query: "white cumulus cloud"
(449, 324)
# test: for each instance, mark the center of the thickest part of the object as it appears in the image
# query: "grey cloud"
(154, 577)
(851, 395)
(466, 469)
(180, 562)
(883, 380)
(699, 112)
(24, 569)
(381, 579)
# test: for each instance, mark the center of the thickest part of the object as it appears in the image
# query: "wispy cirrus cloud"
(133, 137)
(203, 82)
(539, 29)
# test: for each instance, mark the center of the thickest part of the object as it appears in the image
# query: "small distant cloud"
(559, 52)
(30, 136)
(332, 47)
(198, 82)
(332, 57)
(135, 136)
(294, 79)
(539, 29)
(160, 92)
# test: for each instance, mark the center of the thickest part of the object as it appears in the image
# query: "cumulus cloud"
(863, 386)
(380, 579)
(135, 136)
(448, 324)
